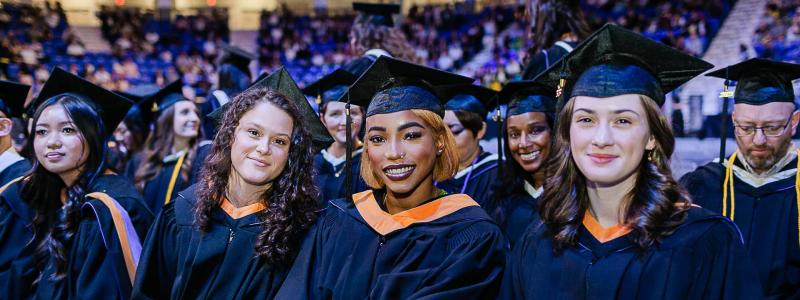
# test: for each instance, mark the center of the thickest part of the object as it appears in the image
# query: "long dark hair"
(550, 19)
(653, 209)
(512, 181)
(159, 145)
(41, 189)
(291, 200)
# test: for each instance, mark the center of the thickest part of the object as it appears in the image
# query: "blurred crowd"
(778, 33)
(489, 44)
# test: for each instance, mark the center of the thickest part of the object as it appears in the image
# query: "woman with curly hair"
(234, 234)
(614, 223)
(374, 34)
(70, 228)
(404, 238)
(168, 162)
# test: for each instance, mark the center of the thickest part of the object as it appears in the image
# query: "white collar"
(335, 161)
(464, 172)
(9, 157)
(377, 52)
(534, 192)
(774, 174)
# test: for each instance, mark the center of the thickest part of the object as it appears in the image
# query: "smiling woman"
(528, 129)
(235, 233)
(168, 162)
(614, 223)
(413, 239)
(67, 205)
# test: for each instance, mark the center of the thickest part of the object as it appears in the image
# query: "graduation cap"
(237, 57)
(283, 83)
(110, 106)
(761, 81)
(524, 96)
(392, 85)
(468, 97)
(331, 87)
(216, 115)
(12, 98)
(615, 61)
(140, 92)
(377, 13)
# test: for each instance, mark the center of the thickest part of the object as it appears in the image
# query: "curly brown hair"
(291, 200)
(365, 36)
(653, 209)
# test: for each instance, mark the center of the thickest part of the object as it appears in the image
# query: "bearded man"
(757, 186)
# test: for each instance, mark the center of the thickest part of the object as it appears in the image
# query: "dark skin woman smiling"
(413, 240)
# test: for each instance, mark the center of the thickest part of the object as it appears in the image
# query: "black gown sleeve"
(157, 265)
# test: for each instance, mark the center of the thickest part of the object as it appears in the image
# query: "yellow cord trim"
(173, 178)
(729, 178)
(797, 192)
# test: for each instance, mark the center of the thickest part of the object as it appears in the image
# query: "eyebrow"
(60, 123)
(409, 125)
(616, 112)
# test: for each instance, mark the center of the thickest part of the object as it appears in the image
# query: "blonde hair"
(446, 164)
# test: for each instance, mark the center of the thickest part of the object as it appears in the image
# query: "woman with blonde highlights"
(413, 240)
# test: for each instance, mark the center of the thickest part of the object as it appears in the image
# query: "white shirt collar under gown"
(774, 174)
(487, 159)
(335, 161)
(9, 157)
(534, 192)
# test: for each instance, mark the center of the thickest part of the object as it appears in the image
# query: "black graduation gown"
(481, 180)
(94, 270)
(767, 217)
(14, 171)
(181, 262)
(518, 212)
(331, 179)
(155, 190)
(702, 259)
(455, 253)
(544, 59)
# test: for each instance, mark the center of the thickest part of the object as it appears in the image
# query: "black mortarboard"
(468, 97)
(761, 81)
(12, 98)
(331, 87)
(140, 92)
(615, 61)
(377, 13)
(392, 85)
(283, 83)
(237, 57)
(524, 96)
(216, 115)
(110, 106)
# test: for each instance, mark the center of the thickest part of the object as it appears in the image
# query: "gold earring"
(651, 156)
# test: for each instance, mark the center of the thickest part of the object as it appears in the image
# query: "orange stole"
(240, 212)
(385, 223)
(603, 234)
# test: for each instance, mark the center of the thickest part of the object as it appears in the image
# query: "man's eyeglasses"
(766, 130)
